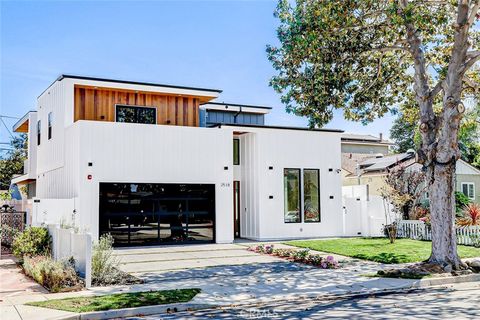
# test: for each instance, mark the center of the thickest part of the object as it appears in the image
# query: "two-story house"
(161, 164)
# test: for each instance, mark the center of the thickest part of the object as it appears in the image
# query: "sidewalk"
(241, 284)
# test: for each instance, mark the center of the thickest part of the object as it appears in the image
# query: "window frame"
(300, 194)
(134, 106)
(50, 125)
(39, 132)
(468, 184)
(236, 161)
(303, 195)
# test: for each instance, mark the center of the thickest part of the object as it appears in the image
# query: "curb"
(131, 312)
(421, 284)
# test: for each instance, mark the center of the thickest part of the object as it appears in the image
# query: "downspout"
(236, 115)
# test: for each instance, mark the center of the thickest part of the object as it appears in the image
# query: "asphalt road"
(461, 301)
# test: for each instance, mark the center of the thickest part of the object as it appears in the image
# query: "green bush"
(53, 275)
(461, 201)
(31, 242)
(104, 263)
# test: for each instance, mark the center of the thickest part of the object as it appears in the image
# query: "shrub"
(32, 241)
(7, 235)
(54, 275)
(300, 255)
(104, 263)
(461, 201)
(283, 253)
(471, 215)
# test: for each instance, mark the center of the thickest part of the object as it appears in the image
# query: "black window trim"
(39, 132)
(319, 199)
(236, 162)
(135, 106)
(300, 200)
(49, 125)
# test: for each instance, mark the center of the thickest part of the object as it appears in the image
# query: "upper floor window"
(134, 114)
(39, 130)
(468, 189)
(236, 151)
(50, 124)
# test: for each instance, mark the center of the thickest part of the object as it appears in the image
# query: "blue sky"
(218, 44)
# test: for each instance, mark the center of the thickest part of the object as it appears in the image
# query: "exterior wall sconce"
(331, 197)
(270, 168)
(270, 197)
(90, 164)
(225, 168)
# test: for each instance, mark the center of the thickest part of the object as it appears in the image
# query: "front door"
(236, 208)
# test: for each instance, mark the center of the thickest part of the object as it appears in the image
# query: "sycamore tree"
(367, 57)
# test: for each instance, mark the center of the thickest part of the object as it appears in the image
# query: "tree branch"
(437, 88)
(389, 48)
(474, 57)
(473, 13)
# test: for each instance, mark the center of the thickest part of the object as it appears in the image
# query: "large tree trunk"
(442, 206)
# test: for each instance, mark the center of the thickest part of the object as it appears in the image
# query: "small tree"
(404, 189)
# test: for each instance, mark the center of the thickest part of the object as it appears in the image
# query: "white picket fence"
(418, 230)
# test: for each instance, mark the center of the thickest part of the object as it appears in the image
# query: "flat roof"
(69, 76)
(219, 125)
(236, 105)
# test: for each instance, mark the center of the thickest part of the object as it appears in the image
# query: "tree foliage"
(353, 55)
(403, 134)
(12, 163)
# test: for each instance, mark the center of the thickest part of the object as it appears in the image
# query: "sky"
(214, 44)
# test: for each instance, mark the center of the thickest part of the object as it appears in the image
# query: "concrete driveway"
(156, 263)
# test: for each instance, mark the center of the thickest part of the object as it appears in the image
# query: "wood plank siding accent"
(92, 103)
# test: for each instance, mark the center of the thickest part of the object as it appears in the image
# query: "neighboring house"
(160, 164)
(373, 171)
(365, 144)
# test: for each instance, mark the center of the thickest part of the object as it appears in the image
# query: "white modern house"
(162, 164)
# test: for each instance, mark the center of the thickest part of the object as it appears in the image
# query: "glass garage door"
(138, 214)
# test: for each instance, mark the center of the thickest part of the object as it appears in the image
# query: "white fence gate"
(419, 230)
(364, 214)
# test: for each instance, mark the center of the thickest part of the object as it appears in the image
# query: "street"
(460, 301)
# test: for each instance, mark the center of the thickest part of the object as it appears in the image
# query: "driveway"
(168, 262)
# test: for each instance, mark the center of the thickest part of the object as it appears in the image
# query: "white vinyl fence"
(418, 230)
(66, 243)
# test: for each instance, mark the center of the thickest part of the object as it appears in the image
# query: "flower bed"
(301, 256)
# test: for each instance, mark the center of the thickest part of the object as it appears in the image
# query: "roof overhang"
(22, 124)
(251, 126)
(23, 179)
(203, 94)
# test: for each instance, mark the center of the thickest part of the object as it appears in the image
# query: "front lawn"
(118, 301)
(379, 249)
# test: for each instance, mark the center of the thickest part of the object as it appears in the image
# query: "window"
(291, 185)
(468, 189)
(50, 123)
(311, 195)
(39, 130)
(134, 114)
(236, 151)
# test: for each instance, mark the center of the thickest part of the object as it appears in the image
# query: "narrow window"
(291, 186)
(50, 124)
(311, 195)
(468, 189)
(134, 114)
(39, 130)
(236, 151)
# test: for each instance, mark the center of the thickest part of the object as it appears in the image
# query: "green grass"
(380, 250)
(118, 301)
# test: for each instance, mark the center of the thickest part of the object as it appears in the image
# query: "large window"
(311, 195)
(291, 185)
(50, 124)
(236, 151)
(39, 131)
(468, 189)
(134, 114)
